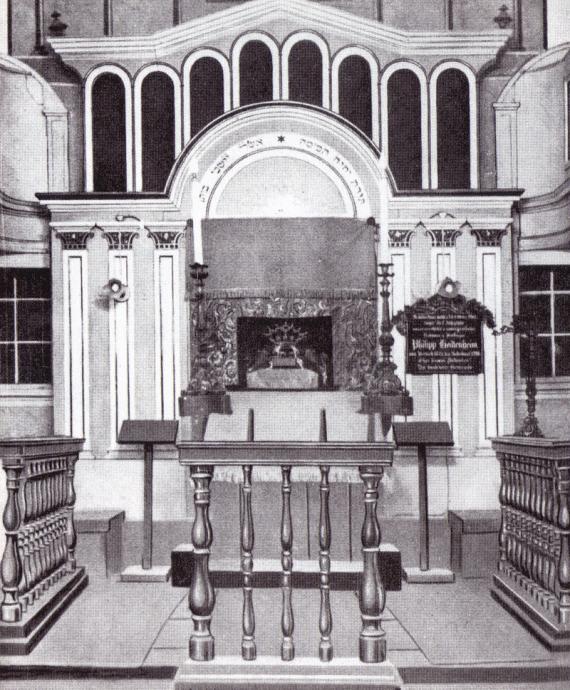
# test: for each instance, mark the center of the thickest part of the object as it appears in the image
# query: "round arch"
(312, 135)
(276, 63)
(138, 82)
(422, 78)
(473, 130)
(374, 70)
(189, 62)
(125, 77)
(322, 45)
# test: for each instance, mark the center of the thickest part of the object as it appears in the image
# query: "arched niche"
(281, 184)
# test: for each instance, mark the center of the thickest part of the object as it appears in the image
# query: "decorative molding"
(483, 45)
(120, 239)
(11, 206)
(165, 239)
(489, 237)
(74, 240)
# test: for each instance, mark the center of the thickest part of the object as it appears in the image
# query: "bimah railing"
(201, 457)
(533, 575)
(38, 564)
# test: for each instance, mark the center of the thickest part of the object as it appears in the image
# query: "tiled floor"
(436, 634)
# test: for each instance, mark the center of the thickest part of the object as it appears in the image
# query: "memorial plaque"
(444, 333)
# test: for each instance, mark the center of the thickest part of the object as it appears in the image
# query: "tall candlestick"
(197, 222)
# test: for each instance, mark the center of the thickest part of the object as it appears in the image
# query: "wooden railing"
(533, 575)
(39, 550)
(369, 457)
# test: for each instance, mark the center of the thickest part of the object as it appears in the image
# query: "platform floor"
(134, 635)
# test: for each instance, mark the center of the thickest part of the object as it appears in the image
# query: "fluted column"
(11, 567)
(372, 647)
(202, 597)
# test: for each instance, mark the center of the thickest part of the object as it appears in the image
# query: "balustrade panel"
(534, 537)
(37, 519)
(287, 456)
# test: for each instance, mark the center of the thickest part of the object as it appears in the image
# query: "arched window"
(158, 122)
(306, 73)
(453, 130)
(405, 129)
(255, 73)
(109, 134)
(355, 92)
(206, 93)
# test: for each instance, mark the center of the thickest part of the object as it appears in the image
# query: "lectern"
(422, 435)
(148, 432)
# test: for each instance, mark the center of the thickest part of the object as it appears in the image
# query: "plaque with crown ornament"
(285, 353)
(444, 333)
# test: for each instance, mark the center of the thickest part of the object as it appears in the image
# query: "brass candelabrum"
(384, 392)
(525, 325)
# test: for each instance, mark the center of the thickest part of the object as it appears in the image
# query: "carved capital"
(400, 237)
(120, 239)
(74, 239)
(165, 239)
(489, 237)
(443, 237)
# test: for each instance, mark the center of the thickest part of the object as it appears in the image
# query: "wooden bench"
(100, 541)
(474, 541)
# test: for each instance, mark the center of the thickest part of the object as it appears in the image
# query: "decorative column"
(563, 524)
(74, 316)
(201, 598)
(121, 329)
(11, 567)
(372, 596)
(167, 320)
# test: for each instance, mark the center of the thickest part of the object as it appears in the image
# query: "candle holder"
(384, 392)
(206, 392)
(525, 325)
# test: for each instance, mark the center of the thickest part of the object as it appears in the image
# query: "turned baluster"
(563, 569)
(201, 598)
(287, 619)
(325, 618)
(248, 647)
(11, 567)
(372, 642)
(502, 501)
(71, 535)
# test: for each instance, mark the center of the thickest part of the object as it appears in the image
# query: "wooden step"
(300, 674)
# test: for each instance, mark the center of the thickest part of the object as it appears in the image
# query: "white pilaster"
(121, 345)
(490, 390)
(57, 151)
(506, 144)
(167, 323)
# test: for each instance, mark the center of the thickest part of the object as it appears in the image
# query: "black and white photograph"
(285, 344)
